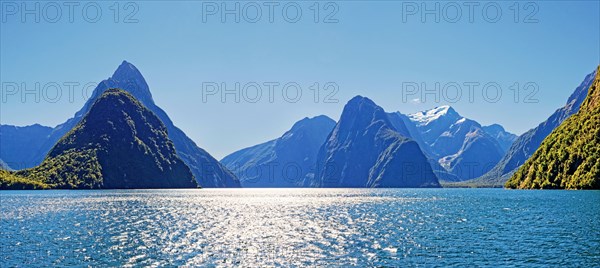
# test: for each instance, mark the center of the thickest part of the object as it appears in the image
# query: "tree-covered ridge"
(11, 181)
(569, 158)
(118, 144)
(72, 169)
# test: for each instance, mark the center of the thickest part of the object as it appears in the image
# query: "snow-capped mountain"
(458, 144)
(431, 116)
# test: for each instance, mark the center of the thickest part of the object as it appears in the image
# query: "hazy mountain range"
(366, 147)
(285, 161)
(19, 145)
(456, 148)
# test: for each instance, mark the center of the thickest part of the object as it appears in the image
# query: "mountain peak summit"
(361, 110)
(129, 78)
(359, 100)
(126, 68)
(444, 109)
(317, 120)
(428, 116)
(495, 128)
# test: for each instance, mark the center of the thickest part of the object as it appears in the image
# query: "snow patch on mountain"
(425, 117)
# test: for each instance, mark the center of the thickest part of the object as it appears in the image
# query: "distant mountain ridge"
(365, 150)
(285, 161)
(118, 144)
(18, 144)
(505, 139)
(457, 148)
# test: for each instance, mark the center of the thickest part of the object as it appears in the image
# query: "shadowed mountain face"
(365, 150)
(409, 129)
(285, 161)
(525, 145)
(119, 144)
(458, 148)
(207, 170)
(18, 144)
(569, 158)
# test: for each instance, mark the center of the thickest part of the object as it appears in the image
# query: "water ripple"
(300, 227)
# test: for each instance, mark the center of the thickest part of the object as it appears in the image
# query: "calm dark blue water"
(303, 227)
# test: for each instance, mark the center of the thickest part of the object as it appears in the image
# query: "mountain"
(504, 138)
(4, 166)
(17, 144)
(458, 148)
(365, 150)
(399, 123)
(207, 170)
(285, 161)
(525, 145)
(569, 158)
(433, 126)
(408, 129)
(118, 144)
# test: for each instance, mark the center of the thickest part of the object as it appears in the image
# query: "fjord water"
(300, 227)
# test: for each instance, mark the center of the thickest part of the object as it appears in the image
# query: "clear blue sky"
(370, 51)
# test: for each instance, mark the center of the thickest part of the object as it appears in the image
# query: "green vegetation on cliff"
(10, 181)
(569, 158)
(72, 169)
